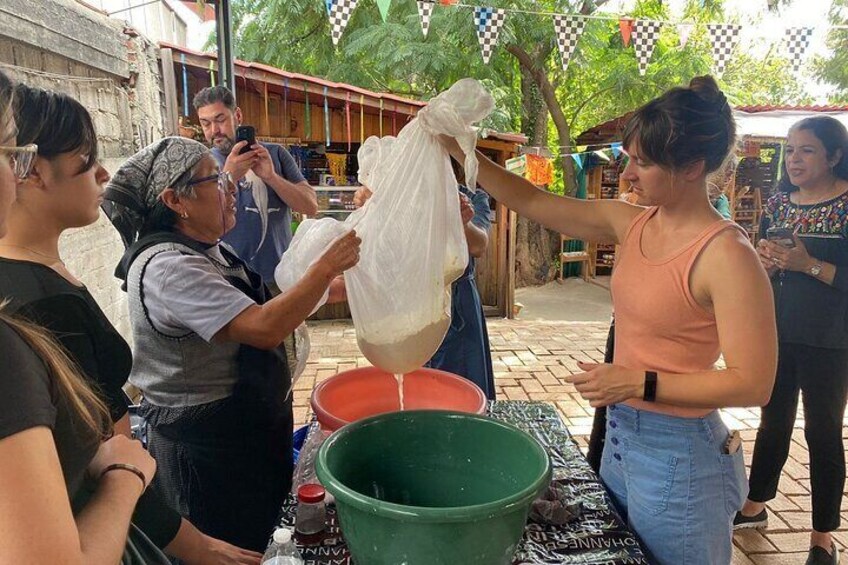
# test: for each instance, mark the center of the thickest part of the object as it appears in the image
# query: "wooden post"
(510, 265)
(169, 83)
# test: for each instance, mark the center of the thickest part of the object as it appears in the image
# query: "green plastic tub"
(432, 487)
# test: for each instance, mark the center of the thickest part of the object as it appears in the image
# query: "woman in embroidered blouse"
(810, 283)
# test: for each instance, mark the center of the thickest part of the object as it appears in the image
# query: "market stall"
(323, 123)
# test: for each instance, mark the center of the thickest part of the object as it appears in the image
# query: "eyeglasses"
(21, 159)
(224, 178)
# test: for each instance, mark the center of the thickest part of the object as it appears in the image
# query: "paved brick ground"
(531, 360)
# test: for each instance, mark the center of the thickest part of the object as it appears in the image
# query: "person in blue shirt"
(465, 349)
(270, 182)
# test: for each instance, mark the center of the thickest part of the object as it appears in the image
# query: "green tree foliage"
(834, 70)
(601, 82)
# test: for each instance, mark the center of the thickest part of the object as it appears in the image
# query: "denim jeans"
(673, 484)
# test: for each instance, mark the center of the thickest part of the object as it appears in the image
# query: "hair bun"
(707, 89)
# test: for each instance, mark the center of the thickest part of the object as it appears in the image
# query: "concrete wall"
(158, 21)
(61, 45)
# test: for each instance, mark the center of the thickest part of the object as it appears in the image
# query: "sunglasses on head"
(21, 159)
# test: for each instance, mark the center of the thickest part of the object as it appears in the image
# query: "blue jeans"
(673, 484)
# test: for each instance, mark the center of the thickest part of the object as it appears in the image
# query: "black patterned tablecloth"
(596, 537)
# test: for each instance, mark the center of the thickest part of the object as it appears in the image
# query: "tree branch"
(588, 99)
(540, 77)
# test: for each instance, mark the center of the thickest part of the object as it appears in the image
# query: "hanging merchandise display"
(347, 120)
(539, 170)
(185, 85)
(361, 118)
(338, 167)
(285, 116)
(307, 118)
(326, 119)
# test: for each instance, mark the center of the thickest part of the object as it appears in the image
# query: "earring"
(184, 215)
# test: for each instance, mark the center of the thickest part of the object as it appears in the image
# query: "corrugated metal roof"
(612, 129)
(517, 138)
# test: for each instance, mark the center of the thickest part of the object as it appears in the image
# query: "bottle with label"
(282, 550)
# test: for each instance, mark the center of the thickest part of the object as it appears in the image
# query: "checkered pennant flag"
(425, 8)
(340, 12)
(724, 38)
(797, 41)
(568, 31)
(645, 34)
(489, 22)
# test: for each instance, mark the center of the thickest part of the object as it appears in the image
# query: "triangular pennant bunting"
(578, 160)
(684, 31)
(602, 153)
(797, 41)
(425, 9)
(723, 38)
(489, 22)
(616, 149)
(645, 34)
(384, 6)
(625, 26)
(329, 4)
(568, 31)
(339, 16)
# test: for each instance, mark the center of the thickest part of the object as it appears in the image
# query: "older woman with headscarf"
(207, 353)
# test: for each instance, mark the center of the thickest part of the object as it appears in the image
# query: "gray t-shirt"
(184, 292)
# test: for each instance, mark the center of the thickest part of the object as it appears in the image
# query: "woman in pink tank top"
(688, 286)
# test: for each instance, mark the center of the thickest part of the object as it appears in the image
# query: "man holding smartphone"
(270, 182)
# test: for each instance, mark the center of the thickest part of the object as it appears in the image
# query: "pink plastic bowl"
(368, 391)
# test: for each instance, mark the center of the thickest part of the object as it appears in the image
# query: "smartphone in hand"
(248, 134)
(784, 237)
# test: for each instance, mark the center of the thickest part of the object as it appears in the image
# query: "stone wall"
(114, 72)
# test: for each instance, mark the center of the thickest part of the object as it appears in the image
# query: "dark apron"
(465, 349)
(227, 465)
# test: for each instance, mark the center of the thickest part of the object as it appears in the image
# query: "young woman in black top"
(809, 273)
(63, 191)
(52, 431)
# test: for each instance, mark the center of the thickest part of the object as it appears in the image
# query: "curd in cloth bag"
(413, 241)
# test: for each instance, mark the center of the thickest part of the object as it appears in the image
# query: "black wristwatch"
(650, 386)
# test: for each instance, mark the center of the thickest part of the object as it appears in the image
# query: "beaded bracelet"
(127, 467)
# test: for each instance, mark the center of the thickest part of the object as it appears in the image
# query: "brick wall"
(114, 73)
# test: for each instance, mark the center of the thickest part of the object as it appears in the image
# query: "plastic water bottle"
(282, 550)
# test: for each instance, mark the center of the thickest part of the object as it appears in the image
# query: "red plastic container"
(368, 391)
